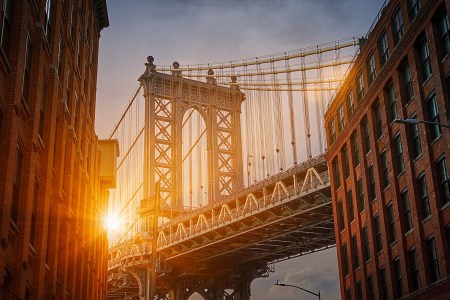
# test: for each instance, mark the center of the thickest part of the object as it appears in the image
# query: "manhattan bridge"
(222, 173)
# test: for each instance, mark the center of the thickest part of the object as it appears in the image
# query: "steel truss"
(219, 249)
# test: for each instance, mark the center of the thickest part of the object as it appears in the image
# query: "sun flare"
(112, 223)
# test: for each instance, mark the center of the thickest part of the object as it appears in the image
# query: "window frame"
(443, 180)
(399, 153)
(423, 196)
(433, 116)
(397, 25)
(383, 47)
(391, 222)
(407, 217)
(371, 68)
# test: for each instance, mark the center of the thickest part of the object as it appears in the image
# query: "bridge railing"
(174, 232)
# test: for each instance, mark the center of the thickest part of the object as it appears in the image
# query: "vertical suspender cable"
(306, 110)
(291, 109)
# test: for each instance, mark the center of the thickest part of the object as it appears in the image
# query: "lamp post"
(305, 290)
(416, 121)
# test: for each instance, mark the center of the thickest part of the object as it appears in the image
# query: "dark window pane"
(433, 263)
(383, 47)
(351, 214)
(413, 270)
(399, 152)
(378, 240)
(423, 194)
(391, 221)
(407, 219)
(444, 186)
(397, 25)
(433, 116)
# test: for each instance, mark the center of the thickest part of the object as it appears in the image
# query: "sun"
(112, 222)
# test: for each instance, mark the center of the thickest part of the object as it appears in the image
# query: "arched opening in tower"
(195, 162)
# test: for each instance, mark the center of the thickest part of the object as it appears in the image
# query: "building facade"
(390, 182)
(52, 191)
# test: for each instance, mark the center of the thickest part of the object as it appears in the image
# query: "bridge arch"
(196, 163)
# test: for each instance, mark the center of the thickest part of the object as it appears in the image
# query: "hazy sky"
(202, 31)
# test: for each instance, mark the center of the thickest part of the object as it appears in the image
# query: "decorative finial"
(176, 72)
(234, 84)
(210, 77)
(149, 66)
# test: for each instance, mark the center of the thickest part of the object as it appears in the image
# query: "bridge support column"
(243, 292)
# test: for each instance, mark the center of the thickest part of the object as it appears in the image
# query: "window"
(360, 87)
(48, 18)
(378, 120)
(370, 291)
(16, 185)
(397, 25)
(366, 135)
(383, 284)
(442, 175)
(34, 214)
(392, 104)
(340, 215)
(407, 82)
(359, 294)
(355, 252)
(433, 263)
(424, 55)
(332, 131)
(433, 113)
(366, 243)
(60, 55)
(344, 154)
(407, 219)
(42, 110)
(344, 259)
(350, 103)
(385, 169)
(68, 88)
(413, 8)
(350, 210)
(336, 177)
(383, 47)
(398, 289)
(72, 23)
(6, 26)
(360, 191)
(27, 71)
(378, 239)
(414, 132)
(341, 120)
(371, 71)
(372, 187)
(423, 194)
(355, 146)
(413, 270)
(391, 221)
(444, 29)
(399, 153)
(79, 52)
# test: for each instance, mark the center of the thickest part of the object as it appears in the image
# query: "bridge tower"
(167, 99)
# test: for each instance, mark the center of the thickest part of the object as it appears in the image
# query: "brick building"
(52, 188)
(390, 182)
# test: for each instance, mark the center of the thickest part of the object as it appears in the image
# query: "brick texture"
(424, 25)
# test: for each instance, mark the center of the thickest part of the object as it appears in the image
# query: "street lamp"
(312, 293)
(416, 121)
